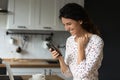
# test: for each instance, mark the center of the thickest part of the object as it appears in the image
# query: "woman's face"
(74, 27)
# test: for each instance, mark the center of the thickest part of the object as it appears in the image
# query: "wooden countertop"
(33, 63)
(2, 65)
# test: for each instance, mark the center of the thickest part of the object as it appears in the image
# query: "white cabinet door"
(21, 14)
(46, 16)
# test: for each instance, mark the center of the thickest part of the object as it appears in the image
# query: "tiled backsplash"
(33, 48)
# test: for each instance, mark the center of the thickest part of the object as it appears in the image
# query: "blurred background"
(106, 14)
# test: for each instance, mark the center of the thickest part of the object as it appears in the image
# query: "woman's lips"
(72, 32)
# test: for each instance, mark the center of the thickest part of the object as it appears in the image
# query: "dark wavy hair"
(77, 12)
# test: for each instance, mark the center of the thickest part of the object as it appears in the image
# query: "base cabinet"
(31, 71)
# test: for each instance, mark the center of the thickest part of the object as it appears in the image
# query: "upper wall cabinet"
(3, 6)
(45, 17)
(21, 14)
(36, 14)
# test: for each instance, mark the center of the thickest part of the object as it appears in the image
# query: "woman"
(84, 48)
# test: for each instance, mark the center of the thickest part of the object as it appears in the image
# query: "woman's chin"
(73, 34)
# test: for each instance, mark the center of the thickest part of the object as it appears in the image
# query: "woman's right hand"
(55, 54)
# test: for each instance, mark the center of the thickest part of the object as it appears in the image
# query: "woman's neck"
(81, 33)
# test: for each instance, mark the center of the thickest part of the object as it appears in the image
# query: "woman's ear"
(80, 21)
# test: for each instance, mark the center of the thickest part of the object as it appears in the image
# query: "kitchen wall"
(106, 14)
(33, 47)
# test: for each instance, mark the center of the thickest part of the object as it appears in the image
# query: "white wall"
(33, 47)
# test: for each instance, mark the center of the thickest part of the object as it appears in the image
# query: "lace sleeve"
(66, 59)
(93, 59)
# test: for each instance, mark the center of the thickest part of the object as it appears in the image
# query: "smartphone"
(53, 47)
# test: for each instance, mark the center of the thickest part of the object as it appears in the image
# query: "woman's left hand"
(82, 41)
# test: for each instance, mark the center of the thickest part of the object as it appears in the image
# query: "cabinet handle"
(21, 26)
(47, 27)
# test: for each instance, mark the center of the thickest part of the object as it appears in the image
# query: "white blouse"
(88, 68)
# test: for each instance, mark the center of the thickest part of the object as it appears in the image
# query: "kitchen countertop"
(33, 63)
(2, 65)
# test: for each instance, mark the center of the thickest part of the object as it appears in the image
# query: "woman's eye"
(68, 23)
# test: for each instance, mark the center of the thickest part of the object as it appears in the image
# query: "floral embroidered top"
(88, 68)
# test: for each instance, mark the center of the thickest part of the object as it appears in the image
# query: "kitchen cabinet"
(32, 15)
(31, 71)
(36, 14)
(3, 6)
(21, 14)
(2, 69)
(46, 17)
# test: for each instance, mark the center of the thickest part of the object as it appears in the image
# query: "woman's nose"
(67, 28)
